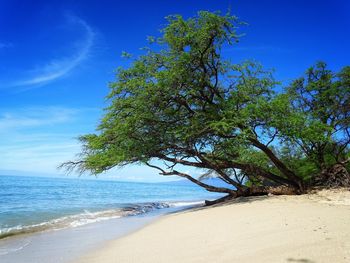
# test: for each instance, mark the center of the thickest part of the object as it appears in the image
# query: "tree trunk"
(220, 200)
(255, 191)
(207, 187)
(280, 165)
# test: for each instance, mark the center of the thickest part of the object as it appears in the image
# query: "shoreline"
(68, 244)
(89, 217)
(65, 245)
(309, 228)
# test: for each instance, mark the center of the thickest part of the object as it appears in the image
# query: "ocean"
(35, 204)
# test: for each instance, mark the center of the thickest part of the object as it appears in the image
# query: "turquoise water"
(31, 204)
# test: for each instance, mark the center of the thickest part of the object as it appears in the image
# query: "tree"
(322, 100)
(183, 104)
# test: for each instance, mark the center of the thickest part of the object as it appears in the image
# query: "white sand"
(309, 228)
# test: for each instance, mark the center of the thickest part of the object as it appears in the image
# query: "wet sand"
(312, 228)
(65, 245)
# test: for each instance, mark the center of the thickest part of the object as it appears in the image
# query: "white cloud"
(41, 158)
(5, 45)
(36, 140)
(40, 138)
(58, 68)
(34, 117)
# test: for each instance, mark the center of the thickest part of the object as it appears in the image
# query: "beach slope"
(310, 228)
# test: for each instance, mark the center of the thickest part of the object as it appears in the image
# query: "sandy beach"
(311, 228)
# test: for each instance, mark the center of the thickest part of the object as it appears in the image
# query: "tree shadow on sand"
(301, 260)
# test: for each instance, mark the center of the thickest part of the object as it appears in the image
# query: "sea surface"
(34, 204)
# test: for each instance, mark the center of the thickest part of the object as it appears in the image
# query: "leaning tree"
(182, 104)
(322, 100)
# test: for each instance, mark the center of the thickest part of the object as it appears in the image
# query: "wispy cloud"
(34, 117)
(5, 45)
(40, 138)
(58, 68)
(41, 158)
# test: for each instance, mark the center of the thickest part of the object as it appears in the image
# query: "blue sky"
(57, 57)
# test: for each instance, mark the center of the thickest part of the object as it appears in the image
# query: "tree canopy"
(183, 103)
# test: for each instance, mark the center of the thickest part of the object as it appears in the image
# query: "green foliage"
(152, 99)
(182, 103)
(321, 99)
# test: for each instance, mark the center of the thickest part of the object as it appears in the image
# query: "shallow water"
(35, 204)
(66, 245)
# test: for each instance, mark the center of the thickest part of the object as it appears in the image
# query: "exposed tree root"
(336, 176)
(256, 191)
(220, 200)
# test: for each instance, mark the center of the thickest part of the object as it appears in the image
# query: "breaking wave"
(88, 217)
